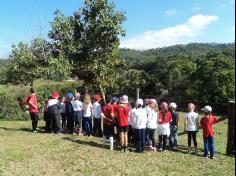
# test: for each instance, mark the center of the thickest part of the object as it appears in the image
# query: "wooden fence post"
(230, 150)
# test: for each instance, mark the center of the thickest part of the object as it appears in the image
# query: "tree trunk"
(102, 93)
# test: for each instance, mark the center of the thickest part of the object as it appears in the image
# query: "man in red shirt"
(122, 112)
(33, 109)
(108, 122)
(208, 132)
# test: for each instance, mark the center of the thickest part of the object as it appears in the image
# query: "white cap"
(207, 109)
(139, 102)
(173, 105)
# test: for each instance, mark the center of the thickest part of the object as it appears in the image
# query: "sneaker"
(189, 150)
(35, 131)
(154, 149)
(174, 148)
(126, 150)
(206, 156)
(212, 157)
(160, 149)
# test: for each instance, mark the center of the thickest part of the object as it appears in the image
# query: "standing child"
(131, 121)
(87, 115)
(123, 120)
(77, 107)
(164, 120)
(63, 114)
(54, 107)
(191, 125)
(139, 124)
(173, 139)
(152, 117)
(69, 112)
(97, 128)
(208, 132)
(33, 109)
(108, 122)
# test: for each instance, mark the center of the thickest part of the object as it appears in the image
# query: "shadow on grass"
(41, 130)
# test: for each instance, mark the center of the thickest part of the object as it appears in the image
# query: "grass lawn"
(24, 153)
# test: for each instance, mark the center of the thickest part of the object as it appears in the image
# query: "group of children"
(135, 122)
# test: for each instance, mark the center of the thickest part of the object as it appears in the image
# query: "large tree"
(90, 39)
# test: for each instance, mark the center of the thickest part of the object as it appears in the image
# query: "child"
(208, 132)
(123, 120)
(139, 124)
(63, 114)
(191, 125)
(33, 109)
(131, 121)
(54, 107)
(77, 107)
(97, 129)
(69, 112)
(164, 120)
(173, 139)
(47, 117)
(87, 115)
(108, 122)
(152, 117)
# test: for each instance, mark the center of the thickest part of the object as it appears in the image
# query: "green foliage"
(90, 38)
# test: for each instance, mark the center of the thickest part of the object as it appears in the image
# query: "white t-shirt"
(192, 118)
(140, 119)
(152, 117)
(131, 116)
(97, 110)
(87, 110)
(77, 105)
(63, 108)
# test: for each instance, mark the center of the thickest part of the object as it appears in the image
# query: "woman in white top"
(152, 117)
(87, 115)
(191, 126)
(139, 125)
(77, 107)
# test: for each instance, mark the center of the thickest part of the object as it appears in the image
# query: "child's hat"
(124, 99)
(164, 106)
(97, 97)
(139, 102)
(173, 105)
(152, 101)
(70, 95)
(114, 99)
(55, 95)
(207, 109)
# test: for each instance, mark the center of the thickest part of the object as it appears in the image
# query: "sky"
(150, 23)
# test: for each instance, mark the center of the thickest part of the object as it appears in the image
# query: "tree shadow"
(29, 130)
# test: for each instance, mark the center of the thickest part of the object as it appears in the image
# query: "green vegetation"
(23, 153)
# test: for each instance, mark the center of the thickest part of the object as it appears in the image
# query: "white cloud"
(179, 34)
(170, 12)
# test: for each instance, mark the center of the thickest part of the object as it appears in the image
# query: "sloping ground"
(23, 153)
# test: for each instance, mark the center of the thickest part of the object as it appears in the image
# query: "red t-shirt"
(123, 115)
(114, 111)
(164, 119)
(33, 100)
(207, 125)
(107, 110)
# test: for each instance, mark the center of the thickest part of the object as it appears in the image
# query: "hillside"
(189, 50)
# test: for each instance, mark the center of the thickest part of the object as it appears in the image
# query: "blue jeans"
(151, 137)
(140, 140)
(173, 138)
(88, 126)
(209, 145)
(78, 119)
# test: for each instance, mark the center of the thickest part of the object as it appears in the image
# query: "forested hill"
(193, 49)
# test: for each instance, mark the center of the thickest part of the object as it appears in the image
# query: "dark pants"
(63, 125)
(70, 122)
(108, 130)
(193, 135)
(173, 138)
(140, 140)
(162, 142)
(97, 126)
(131, 134)
(88, 126)
(78, 119)
(151, 137)
(146, 137)
(34, 118)
(209, 146)
(48, 120)
(56, 126)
